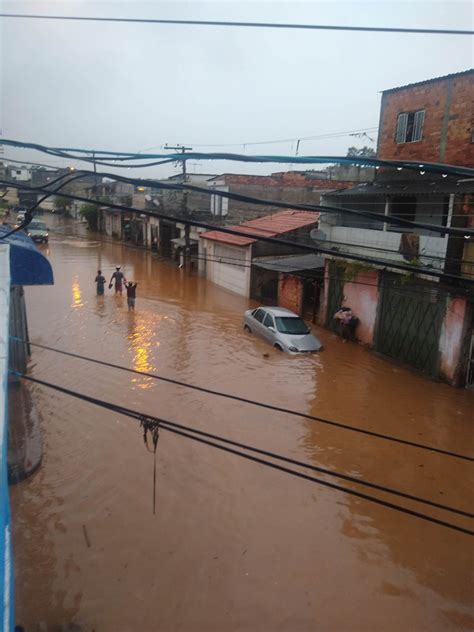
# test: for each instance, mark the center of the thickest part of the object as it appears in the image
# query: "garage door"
(409, 323)
(229, 269)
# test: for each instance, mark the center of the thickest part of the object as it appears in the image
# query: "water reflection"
(247, 548)
(76, 294)
(140, 336)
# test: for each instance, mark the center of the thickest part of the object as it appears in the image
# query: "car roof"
(279, 311)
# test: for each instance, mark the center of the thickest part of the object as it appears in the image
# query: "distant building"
(291, 187)
(21, 173)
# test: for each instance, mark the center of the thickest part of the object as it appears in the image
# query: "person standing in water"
(100, 281)
(131, 294)
(119, 278)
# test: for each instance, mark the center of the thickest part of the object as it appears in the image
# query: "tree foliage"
(361, 152)
(62, 203)
(90, 213)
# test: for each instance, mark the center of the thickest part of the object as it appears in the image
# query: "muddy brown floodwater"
(233, 545)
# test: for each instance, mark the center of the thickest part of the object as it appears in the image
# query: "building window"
(409, 127)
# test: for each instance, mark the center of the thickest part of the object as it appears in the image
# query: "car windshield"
(38, 226)
(291, 325)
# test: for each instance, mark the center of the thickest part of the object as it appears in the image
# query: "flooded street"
(233, 545)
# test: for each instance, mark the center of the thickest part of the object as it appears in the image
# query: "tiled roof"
(268, 226)
(420, 83)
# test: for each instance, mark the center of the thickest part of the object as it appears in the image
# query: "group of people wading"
(117, 281)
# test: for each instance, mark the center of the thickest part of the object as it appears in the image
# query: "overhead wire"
(314, 208)
(241, 24)
(264, 405)
(274, 142)
(29, 213)
(224, 443)
(412, 269)
(406, 287)
(427, 167)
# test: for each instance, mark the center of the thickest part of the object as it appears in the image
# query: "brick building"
(293, 187)
(427, 324)
(430, 120)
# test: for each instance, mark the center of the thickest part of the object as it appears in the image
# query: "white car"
(282, 328)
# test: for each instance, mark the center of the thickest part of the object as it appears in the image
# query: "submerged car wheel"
(277, 347)
(247, 329)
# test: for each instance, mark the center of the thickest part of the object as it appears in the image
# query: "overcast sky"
(128, 87)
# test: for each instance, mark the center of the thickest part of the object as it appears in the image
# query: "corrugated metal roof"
(415, 188)
(268, 226)
(292, 263)
(420, 83)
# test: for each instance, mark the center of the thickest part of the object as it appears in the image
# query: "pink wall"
(361, 294)
(451, 339)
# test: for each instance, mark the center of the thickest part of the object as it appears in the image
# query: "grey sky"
(129, 87)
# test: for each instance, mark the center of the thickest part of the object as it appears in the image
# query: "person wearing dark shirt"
(100, 281)
(119, 278)
(131, 294)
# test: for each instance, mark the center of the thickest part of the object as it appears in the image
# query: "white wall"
(360, 238)
(227, 266)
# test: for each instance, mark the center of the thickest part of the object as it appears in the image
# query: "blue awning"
(28, 265)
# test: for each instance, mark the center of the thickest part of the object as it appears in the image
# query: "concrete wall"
(447, 126)
(290, 292)
(227, 266)
(453, 340)
(360, 238)
(361, 294)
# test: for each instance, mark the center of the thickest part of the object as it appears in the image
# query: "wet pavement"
(233, 545)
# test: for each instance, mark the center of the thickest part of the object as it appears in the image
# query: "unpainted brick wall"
(432, 97)
(290, 292)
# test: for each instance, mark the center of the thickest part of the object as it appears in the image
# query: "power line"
(245, 400)
(157, 185)
(203, 437)
(427, 167)
(29, 213)
(234, 261)
(267, 25)
(281, 140)
(259, 237)
(389, 219)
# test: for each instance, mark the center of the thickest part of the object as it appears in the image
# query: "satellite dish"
(318, 235)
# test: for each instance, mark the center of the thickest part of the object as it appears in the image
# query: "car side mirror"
(272, 329)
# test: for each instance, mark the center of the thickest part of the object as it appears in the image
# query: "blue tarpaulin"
(28, 265)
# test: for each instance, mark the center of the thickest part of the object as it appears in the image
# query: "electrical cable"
(314, 208)
(428, 167)
(29, 213)
(273, 142)
(245, 400)
(203, 437)
(234, 261)
(412, 269)
(266, 25)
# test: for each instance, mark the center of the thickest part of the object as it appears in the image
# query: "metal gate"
(409, 324)
(335, 294)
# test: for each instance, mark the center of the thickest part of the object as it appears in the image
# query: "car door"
(269, 322)
(257, 322)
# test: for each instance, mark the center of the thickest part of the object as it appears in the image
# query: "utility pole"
(99, 222)
(182, 149)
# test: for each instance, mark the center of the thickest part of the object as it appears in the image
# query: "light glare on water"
(233, 546)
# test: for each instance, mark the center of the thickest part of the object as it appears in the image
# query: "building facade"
(421, 321)
(430, 120)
